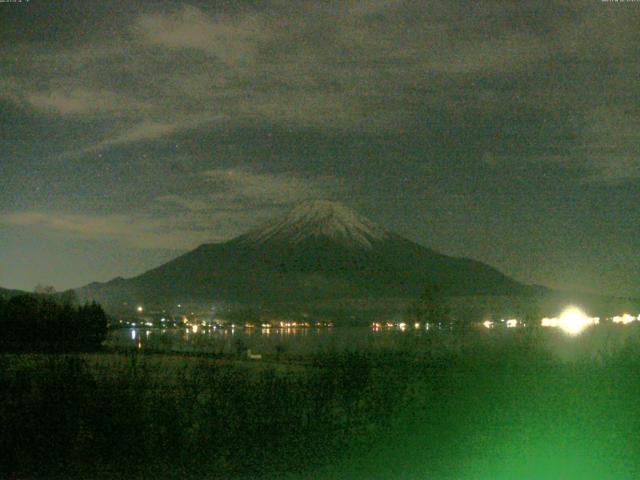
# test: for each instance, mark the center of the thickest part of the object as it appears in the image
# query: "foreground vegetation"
(502, 410)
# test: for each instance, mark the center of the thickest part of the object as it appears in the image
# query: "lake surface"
(593, 342)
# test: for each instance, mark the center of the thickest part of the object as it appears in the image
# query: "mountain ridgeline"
(318, 252)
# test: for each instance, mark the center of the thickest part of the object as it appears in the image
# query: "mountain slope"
(319, 251)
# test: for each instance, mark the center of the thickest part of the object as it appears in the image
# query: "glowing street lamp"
(572, 321)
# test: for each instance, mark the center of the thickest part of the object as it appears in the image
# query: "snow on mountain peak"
(319, 218)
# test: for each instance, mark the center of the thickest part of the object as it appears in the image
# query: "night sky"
(133, 131)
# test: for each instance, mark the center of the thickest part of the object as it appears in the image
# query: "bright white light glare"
(140, 309)
(512, 323)
(624, 318)
(487, 324)
(194, 328)
(572, 321)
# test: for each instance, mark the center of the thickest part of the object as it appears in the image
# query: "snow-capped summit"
(319, 219)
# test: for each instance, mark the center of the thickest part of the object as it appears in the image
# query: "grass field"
(506, 410)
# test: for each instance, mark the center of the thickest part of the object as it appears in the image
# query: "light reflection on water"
(595, 341)
(261, 340)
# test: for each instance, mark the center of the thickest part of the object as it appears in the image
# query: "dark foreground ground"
(507, 410)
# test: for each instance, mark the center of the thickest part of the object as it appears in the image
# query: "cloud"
(81, 101)
(134, 231)
(365, 66)
(231, 39)
(189, 204)
(342, 67)
(238, 184)
(609, 145)
(233, 201)
(614, 169)
(145, 131)
(10, 90)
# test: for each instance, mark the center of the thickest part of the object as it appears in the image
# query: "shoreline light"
(572, 321)
(624, 319)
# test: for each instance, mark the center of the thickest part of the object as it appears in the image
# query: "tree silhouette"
(44, 289)
(40, 322)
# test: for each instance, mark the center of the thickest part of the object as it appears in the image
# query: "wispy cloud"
(311, 64)
(239, 184)
(145, 131)
(231, 39)
(370, 65)
(189, 204)
(81, 101)
(235, 201)
(134, 231)
(610, 144)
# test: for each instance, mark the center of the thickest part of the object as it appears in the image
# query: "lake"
(593, 342)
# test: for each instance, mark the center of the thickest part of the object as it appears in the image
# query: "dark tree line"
(42, 322)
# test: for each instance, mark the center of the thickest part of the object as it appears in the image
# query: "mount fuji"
(320, 251)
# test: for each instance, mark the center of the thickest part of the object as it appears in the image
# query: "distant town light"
(487, 324)
(624, 318)
(140, 309)
(512, 323)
